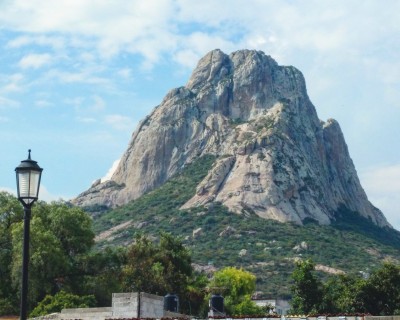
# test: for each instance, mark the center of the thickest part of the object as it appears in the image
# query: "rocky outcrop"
(276, 159)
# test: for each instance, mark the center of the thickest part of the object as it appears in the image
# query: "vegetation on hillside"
(267, 248)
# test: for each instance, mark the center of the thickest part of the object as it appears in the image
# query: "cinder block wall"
(86, 313)
(151, 306)
(125, 305)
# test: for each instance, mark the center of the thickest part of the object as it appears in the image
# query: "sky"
(76, 76)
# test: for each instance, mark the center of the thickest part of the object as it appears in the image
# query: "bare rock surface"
(276, 159)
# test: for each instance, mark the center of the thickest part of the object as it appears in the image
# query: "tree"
(196, 295)
(62, 300)
(59, 236)
(380, 294)
(47, 260)
(159, 268)
(306, 289)
(72, 227)
(10, 212)
(177, 263)
(237, 286)
(143, 273)
(101, 272)
(341, 294)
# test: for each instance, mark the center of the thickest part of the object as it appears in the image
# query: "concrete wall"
(125, 305)
(382, 318)
(305, 318)
(324, 318)
(86, 313)
(151, 306)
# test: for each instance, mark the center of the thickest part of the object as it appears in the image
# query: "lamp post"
(28, 182)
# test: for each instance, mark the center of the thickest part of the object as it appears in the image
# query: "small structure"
(124, 305)
(216, 305)
(278, 306)
(171, 303)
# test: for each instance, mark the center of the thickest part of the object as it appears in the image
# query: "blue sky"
(76, 76)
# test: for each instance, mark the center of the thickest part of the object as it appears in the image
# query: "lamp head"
(28, 181)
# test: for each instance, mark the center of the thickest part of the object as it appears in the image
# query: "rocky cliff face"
(275, 157)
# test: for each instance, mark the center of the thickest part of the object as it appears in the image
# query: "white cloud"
(75, 102)
(43, 103)
(6, 103)
(382, 184)
(111, 171)
(76, 77)
(119, 122)
(88, 111)
(47, 196)
(42, 40)
(98, 105)
(34, 60)
(154, 28)
(13, 83)
(44, 194)
(125, 73)
(86, 119)
(117, 25)
(9, 190)
(195, 45)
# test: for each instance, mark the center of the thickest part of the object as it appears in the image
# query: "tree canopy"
(163, 267)
(237, 286)
(306, 289)
(60, 235)
(376, 293)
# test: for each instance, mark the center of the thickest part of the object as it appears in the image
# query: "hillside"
(265, 247)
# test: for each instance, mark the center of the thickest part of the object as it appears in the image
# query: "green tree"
(102, 274)
(143, 273)
(159, 268)
(62, 300)
(72, 227)
(380, 294)
(341, 294)
(59, 236)
(47, 260)
(10, 212)
(306, 289)
(196, 295)
(237, 286)
(177, 263)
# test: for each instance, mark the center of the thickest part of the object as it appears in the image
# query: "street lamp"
(28, 182)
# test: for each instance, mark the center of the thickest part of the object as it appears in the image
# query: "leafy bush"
(62, 300)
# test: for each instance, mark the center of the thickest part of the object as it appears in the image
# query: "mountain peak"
(275, 157)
